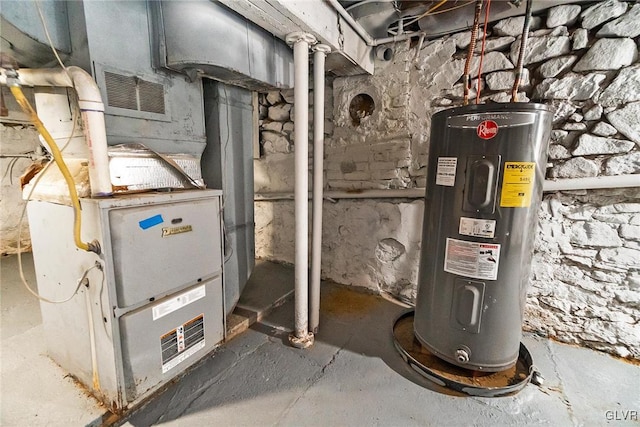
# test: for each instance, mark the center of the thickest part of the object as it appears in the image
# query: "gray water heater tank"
(484, 186)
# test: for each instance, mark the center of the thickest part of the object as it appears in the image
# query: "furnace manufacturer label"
(168, 231)
(477, 227)
(178, 302)
(517, 184)
(472, 259)
(182, 342)
(446, 172)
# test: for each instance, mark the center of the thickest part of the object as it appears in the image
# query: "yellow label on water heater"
(517, 184)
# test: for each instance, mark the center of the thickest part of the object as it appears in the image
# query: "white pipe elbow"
(92, 110)
(89, 96)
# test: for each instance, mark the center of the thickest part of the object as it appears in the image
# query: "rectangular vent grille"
(151, 97)
(121, 91)
(133, 93)
(182, 342)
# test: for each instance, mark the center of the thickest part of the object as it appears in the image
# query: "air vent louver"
(121, 91)
(151, 97)
(133, 93)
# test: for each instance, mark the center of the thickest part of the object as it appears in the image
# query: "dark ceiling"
(381, 18)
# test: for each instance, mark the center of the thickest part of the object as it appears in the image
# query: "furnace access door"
(155, 305)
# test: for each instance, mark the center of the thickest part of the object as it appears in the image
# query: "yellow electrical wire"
(452, 8)
(24, 210)
(430, 11)
(57, 156)
(427, 13)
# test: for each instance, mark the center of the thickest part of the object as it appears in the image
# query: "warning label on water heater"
(446, 172)
(517, 184)
(477, 227)
(472, 259)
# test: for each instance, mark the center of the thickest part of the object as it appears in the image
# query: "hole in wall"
(361, 106)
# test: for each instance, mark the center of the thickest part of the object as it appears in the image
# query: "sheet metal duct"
(204, 37)
(22, 34)
(227, 163)
(118, 42)
(154, 107)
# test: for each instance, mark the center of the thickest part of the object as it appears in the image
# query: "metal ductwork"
(205, 38)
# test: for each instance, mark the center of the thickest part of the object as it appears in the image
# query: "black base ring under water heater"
(484, 186)
(454, 379)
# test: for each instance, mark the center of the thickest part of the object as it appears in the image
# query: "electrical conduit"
(466, 77)
(484, 39)
(301, 338)
(319, 52)
(522, 52)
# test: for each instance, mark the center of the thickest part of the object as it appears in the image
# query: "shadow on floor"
(351, 376)
(261, 361)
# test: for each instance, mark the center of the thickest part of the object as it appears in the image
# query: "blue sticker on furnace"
(151, 222)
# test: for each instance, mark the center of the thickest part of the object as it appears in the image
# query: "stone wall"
(369, 243)
(586, 270)
(583, 60)
(274, 171)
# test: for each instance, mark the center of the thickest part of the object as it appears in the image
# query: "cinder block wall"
(582, 59)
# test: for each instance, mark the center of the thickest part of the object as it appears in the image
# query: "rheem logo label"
(487, 129)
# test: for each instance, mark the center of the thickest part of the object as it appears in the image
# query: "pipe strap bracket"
(300, 36)
(320, 47)
(301, 342)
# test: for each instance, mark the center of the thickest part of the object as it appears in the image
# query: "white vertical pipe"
(320, 51)
(301, 141)
(92, 110)
(301, 337)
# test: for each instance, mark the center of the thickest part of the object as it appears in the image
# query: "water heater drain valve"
(462, 355)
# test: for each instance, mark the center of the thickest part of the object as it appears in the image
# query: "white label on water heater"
(477, 227)
(178, 302)
(472, 259)
(446, 172)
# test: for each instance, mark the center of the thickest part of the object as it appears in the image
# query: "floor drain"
(454, 378)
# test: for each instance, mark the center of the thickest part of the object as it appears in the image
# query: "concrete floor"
(351, 376)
